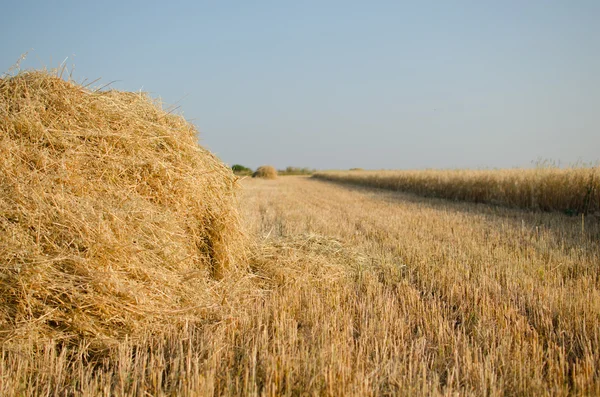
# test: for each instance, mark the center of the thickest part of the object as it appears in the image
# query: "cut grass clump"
(266, 172)
(112, 218)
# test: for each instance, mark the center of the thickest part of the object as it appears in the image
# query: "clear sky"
(340, 84)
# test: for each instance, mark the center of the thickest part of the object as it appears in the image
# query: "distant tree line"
(297, 171)
(241, 170)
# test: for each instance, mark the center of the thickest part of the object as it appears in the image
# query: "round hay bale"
(112, 217)
(266, 172)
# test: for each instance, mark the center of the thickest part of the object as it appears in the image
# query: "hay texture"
(266, 172)
(112, 218)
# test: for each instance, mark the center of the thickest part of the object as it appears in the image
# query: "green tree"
(240, 169)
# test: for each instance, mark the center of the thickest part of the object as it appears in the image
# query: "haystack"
(265, 171)
(112, 217)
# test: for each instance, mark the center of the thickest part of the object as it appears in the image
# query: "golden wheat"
(125, 269)
(574, 190)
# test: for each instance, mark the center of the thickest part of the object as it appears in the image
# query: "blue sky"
(340, 84)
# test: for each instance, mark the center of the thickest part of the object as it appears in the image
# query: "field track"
(431, 296)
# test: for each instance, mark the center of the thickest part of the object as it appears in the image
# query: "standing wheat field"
(571, 190)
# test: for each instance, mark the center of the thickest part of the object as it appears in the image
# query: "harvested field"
(573, 190)
(358, 291)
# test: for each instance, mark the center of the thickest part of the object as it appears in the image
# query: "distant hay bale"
(112, 217)
(266, 172)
